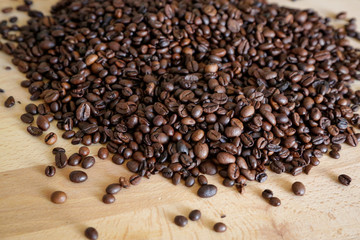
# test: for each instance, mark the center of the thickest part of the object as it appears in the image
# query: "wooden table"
(327, 211)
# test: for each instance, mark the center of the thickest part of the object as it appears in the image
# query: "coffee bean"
(60, 159)
(88, 162)
(58, 150)
(27, 118)
(91, 233)
(267, 194)
(298, 188)
(43, 123)
(195, 215)
(84, 151)
(58, 197)
(113, 188)
(190, 181)
(181, 221)
(334, 154)
(34, 131)
(50, 138)
(118, 159)
(124, 183)
(225, 158)
(50, 171)
(220, 227)
(103, 153)
(78, 176)
(108, 198)
(10, 102)
(206, 191)
(344, 179)
(274, 201)
(202, 180)
(135, 179)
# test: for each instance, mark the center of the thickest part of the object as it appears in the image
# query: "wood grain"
(327, 211)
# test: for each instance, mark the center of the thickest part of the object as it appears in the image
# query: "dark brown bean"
(181, 221)
(91, 233)
(298, 188)
(50, 171)
(58, 197)
(344, 179)
(274, 201)
(78, 176)
(9, 102)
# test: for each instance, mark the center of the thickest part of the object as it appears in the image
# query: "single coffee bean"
(34, 131)
(108, 198)
(206, 191)
(103, 153)
(88, 162)
(58, 150)
(181, 221)
(10, 102)
(190, 181)
(74, 159)
(78, 176)
(27, 118)
(344, 179)
(60, 159)
(220, 227)
(50, 171)
(43, 123)
(195, 215)
(84, 151)
(91, 233)
(334, 154)
(298, 188)
(135, 179)
(50, 138)
(274, 201)
(31, 108)
(267, 194)
(202, 180)
(58, 197)
(113, 188)
(118, 159)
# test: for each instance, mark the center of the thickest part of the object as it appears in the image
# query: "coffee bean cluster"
(188, 87)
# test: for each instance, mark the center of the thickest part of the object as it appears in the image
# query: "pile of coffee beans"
(188, 87)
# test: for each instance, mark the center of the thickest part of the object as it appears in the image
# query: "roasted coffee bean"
(195, 215)
(206, 191)
(88, 162)
(113, 188)
(135, 179)
(190, 181)
(267, 194)
(181, 221)
(227, 182)
(344, 179)
(58, 150)
(118, 159)
(220, 227)
(42, 122)
(84, 151)
(108, 198)
(60, 159)
(58, 197)
(274, 201)
(50, 171)
(74, 159)
(334, 154)
(27, 118)
(103, 153)
(202, 180)
(277, 166)
(78, 176)
(298, 188)
(225, 158)
(50, 138)
(91, 233)
(124, 183)
(208, 167)
(34, 131)
(31, 108)
(10, 102)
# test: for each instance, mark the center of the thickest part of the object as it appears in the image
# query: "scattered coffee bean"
(181, 221)
(190, 181)
(135, 179)
(103, 153)
(84, 151)
(195, 215)
(108, 198)
(7, 68)
(344, 179)
(220, 227)
(2, 90)
(267, 194)
(202, 180)
(91, 233)
(341, 16)
(206, 191)
(31, 108)
(60, 159)
(274, 201)
(118, 159)
(43, 123)
(74, 159)
(78, 176)
(58, 197)
(10, 102)
(88, 162)
(334, 154)
(27, 118)
(298, 188)
(50, 138)
(34, 131)
(50, 171)
(113, 188)
(7, 10)
(58, 150)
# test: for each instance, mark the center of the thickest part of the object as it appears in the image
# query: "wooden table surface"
(327, 211)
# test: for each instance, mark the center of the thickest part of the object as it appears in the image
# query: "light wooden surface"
(327, 211)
